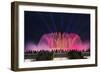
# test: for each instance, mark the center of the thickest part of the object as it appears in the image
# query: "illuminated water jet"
(59, 41)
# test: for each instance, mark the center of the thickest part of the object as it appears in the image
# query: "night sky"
(39, 23)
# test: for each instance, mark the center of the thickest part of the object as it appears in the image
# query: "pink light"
(58, 41)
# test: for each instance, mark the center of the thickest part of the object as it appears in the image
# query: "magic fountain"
(59, 41)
